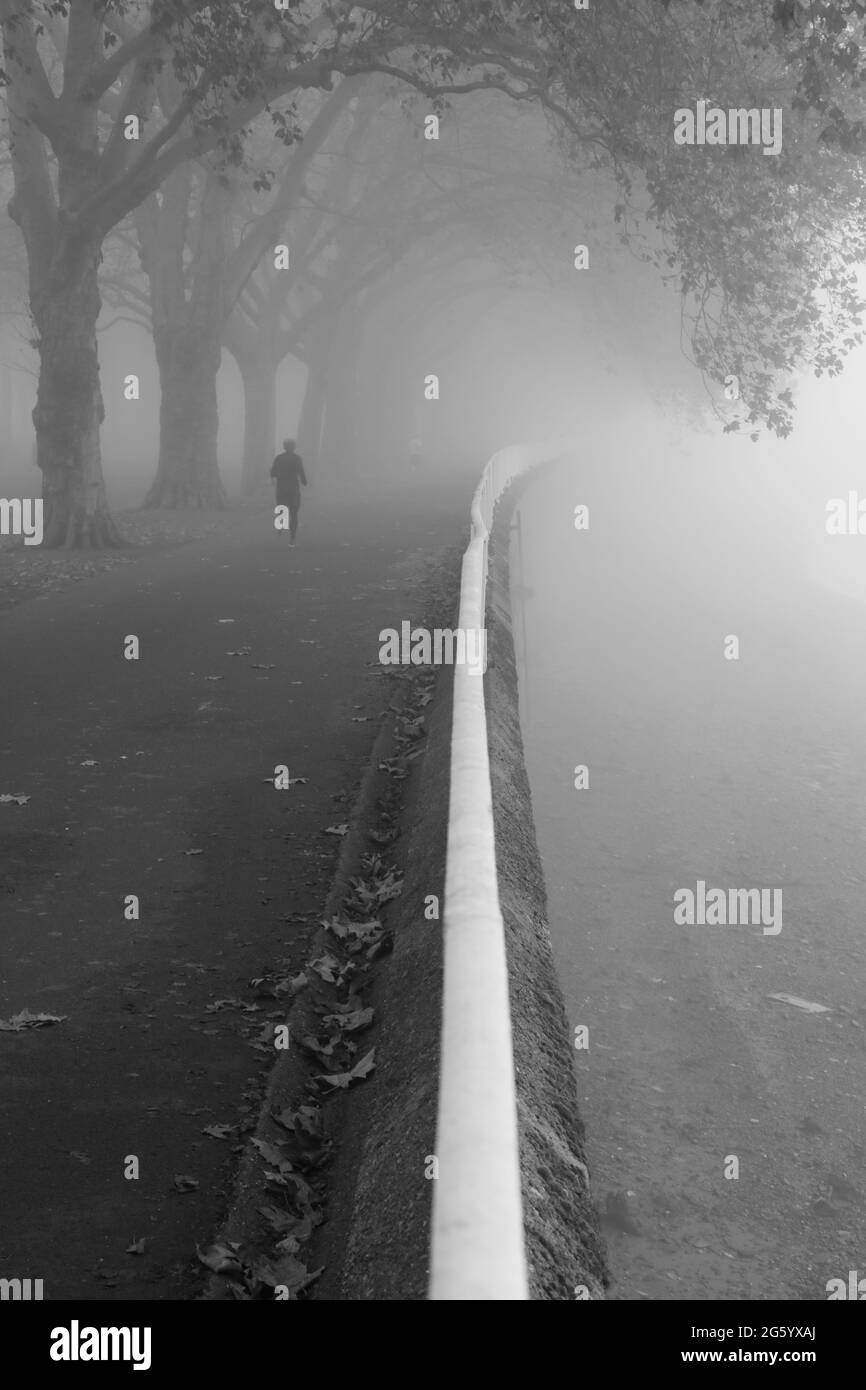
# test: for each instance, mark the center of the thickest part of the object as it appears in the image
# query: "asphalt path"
(154, 778)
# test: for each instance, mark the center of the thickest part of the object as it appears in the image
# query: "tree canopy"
(109, 100)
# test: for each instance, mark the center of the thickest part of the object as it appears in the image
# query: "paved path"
(148, 778)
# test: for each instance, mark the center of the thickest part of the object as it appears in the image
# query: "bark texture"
(69, 408)
(188, 470)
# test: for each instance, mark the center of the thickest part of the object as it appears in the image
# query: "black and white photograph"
(432, 672)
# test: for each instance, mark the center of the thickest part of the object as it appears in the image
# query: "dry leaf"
(359, 1071)
(350, 1023)
(183, 1183)
(800, 1003)
(221, 1258)
(26, 1019)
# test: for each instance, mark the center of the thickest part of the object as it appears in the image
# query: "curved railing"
(477, 1239)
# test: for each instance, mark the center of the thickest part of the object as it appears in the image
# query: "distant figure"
(416, 455)
(287, 470)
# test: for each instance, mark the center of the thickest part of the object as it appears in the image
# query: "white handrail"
(477, 1247)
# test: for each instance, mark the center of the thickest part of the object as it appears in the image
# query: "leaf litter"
(359, 936)
(25, 1019)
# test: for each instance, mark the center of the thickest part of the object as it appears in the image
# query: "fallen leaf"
(350, 1023)
(306, 1119)
(342, 829)
(328, 967)
(183, 1183)
(286, 1272)
(281, 1222)
(292, 986)
(382, 837)
(800, 1003)
(219, 1131)
(319, 1049)
(17, 797)
(26, 1019)
(344, 1079)
(272, 1155)
(221, 1258)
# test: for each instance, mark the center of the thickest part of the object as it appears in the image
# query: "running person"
(287, 470)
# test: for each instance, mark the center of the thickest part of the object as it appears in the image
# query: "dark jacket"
(288, 469)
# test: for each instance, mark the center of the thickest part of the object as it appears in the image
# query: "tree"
(79, 170)
(379, 205)
(760, 294)
(198, 257)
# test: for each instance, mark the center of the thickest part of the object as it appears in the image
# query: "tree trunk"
(384, 419)
(188, 472)
(315, 395)
(69, 408)
(342, 403)
(259, 376)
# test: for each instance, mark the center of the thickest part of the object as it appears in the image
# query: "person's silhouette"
(287, 471)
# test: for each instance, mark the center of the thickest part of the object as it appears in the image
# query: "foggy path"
(148, 778)
(744, 774)
(409, 254)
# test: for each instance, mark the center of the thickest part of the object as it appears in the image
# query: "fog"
(533, 366)
(426, 288)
